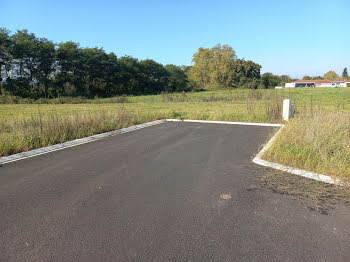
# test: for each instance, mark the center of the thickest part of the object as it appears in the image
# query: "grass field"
(240, 105)
(27, 126)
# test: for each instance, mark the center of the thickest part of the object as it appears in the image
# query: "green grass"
(318, 142)
(28, 126)
(240, 105)
(24, 134)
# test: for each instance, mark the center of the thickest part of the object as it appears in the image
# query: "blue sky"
(286, 37)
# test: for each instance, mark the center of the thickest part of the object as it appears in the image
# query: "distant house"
(318, 83)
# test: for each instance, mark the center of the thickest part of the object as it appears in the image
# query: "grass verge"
(317, 142)
(44, 130)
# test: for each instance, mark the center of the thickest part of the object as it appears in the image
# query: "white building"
(318, 83)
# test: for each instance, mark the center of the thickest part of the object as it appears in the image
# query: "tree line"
(330, 75)
(36, 67)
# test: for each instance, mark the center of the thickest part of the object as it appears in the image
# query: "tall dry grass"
(41, 130)
(268, 102)
(318, 142)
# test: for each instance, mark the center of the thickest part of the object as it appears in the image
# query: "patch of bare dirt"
(317, 195)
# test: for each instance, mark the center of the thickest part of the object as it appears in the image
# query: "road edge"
(223, 122)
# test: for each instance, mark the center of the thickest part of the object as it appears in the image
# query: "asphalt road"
(153, 195)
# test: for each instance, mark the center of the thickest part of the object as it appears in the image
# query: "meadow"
(28, 126)
(236, 104)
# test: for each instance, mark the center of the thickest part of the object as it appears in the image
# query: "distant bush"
(4, 99)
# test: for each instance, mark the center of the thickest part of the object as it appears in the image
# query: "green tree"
(177, 78)
(191, 84)
(69, 58)
(331, 75)
(212, 65)
(219, 67)
(5, 54)
(92, 71)
(285, 79)
(307, 78)
(130, 75)
(201, 70)
(243, 74)
(221, 60)
(24, 65)
(154, 76)
(345, 73)
(112, 75)
(46, 55)
(270, 80)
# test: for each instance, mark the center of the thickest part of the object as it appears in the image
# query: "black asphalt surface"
(153, 195)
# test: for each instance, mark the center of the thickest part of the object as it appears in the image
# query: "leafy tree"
(221, 60)
(177, 78)
(201, 70)
(307, 78)
(112, 74)
(331, 75)
(345, 73)
(270, 80)
(69, 58)
(212, 65)
(92, 69)
(129, 76)
(191, 84)
(46, 58)
(154, 76)
(24, 65)
(5, 53)
(219, 66)
(245, 74)
(285, 79)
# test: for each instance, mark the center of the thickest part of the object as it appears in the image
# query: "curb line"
(295, 171)
(223, 122)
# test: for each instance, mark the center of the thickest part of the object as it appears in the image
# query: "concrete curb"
(299, 172)
(48, 149)
(223, 122)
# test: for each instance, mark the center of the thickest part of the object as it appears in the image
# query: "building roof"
(318, 81)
